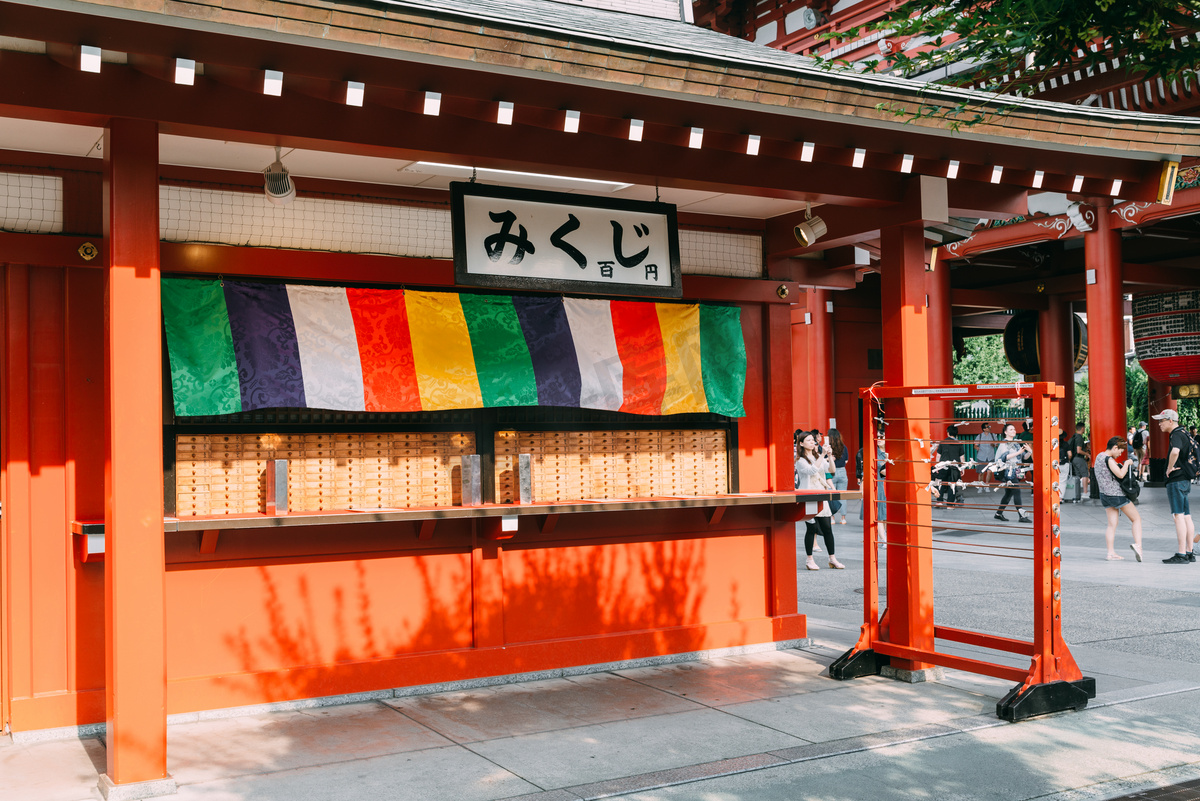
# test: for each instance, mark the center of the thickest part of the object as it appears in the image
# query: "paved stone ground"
(766, 725)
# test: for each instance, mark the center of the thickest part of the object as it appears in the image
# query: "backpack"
(1190, 466)
(1137, 440)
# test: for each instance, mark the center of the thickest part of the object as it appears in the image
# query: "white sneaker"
(810, 564)
(835, 564)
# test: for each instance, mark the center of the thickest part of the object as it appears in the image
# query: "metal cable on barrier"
(922, 469)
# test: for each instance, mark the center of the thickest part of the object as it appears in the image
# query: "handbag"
(1129, 484)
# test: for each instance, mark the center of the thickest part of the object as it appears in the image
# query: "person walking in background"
(810, 474)
(950, 454)
(1138, 445)
(1179, 477)
(985, 451)
(1195, 435)
(1108, 480)
(1009, 455)
(841, 481)
(1077, 449)
(881, 473)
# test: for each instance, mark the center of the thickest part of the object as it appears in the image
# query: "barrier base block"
(854, 664)
(1044, 699)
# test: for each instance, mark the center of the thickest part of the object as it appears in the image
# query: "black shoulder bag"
(1129, 484)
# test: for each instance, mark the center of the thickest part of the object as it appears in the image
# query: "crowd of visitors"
(821, 463)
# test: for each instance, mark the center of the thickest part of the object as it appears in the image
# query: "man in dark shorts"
(1179, 482)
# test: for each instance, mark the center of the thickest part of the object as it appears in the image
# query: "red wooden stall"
(119, 608)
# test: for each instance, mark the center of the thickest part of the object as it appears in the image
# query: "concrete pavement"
(759, 725)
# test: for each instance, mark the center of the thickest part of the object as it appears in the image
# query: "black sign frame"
(460, 190)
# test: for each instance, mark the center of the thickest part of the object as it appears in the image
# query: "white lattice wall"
(713, 253)
(246, 218)
(31, 203)
(189, 214)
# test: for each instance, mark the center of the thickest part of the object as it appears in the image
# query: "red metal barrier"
(1053, 681)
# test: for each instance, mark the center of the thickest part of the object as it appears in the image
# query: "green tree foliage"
(1082, 407)
(1017, 44)
(1136, 400)
(984, 362)
(1189, 412)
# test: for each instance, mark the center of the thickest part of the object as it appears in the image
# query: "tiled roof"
(666, 56)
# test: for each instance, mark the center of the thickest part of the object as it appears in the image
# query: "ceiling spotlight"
(812, 229)
(277, 183)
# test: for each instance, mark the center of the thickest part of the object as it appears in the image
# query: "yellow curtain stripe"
(441, 343)
(680, 326)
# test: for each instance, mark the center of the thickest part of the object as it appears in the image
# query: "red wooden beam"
(1132, 214)
(52, 250)
(810, 273)
(304, 265)
(213, 110)
(925, 200)
(996, 299)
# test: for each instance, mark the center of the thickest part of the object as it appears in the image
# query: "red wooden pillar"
(1056, 353)
(801, 399)
(906, 363)
(941, 338)
(820, 358)
(1106, 341)
(777, 322)
(778, 342)
(1159, 398)
(134, 575)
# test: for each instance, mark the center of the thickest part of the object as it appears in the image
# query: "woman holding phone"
(1009, 454)
(1108, 477)
(810, 474)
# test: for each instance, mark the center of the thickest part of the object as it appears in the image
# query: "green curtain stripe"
(723, 358)
(502, 359)
(204, 376)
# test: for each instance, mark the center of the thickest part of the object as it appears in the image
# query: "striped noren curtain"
(237, 346)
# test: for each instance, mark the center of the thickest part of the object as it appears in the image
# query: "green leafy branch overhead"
(1015, 45)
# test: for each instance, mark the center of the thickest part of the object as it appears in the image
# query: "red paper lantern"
(1166, 335)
